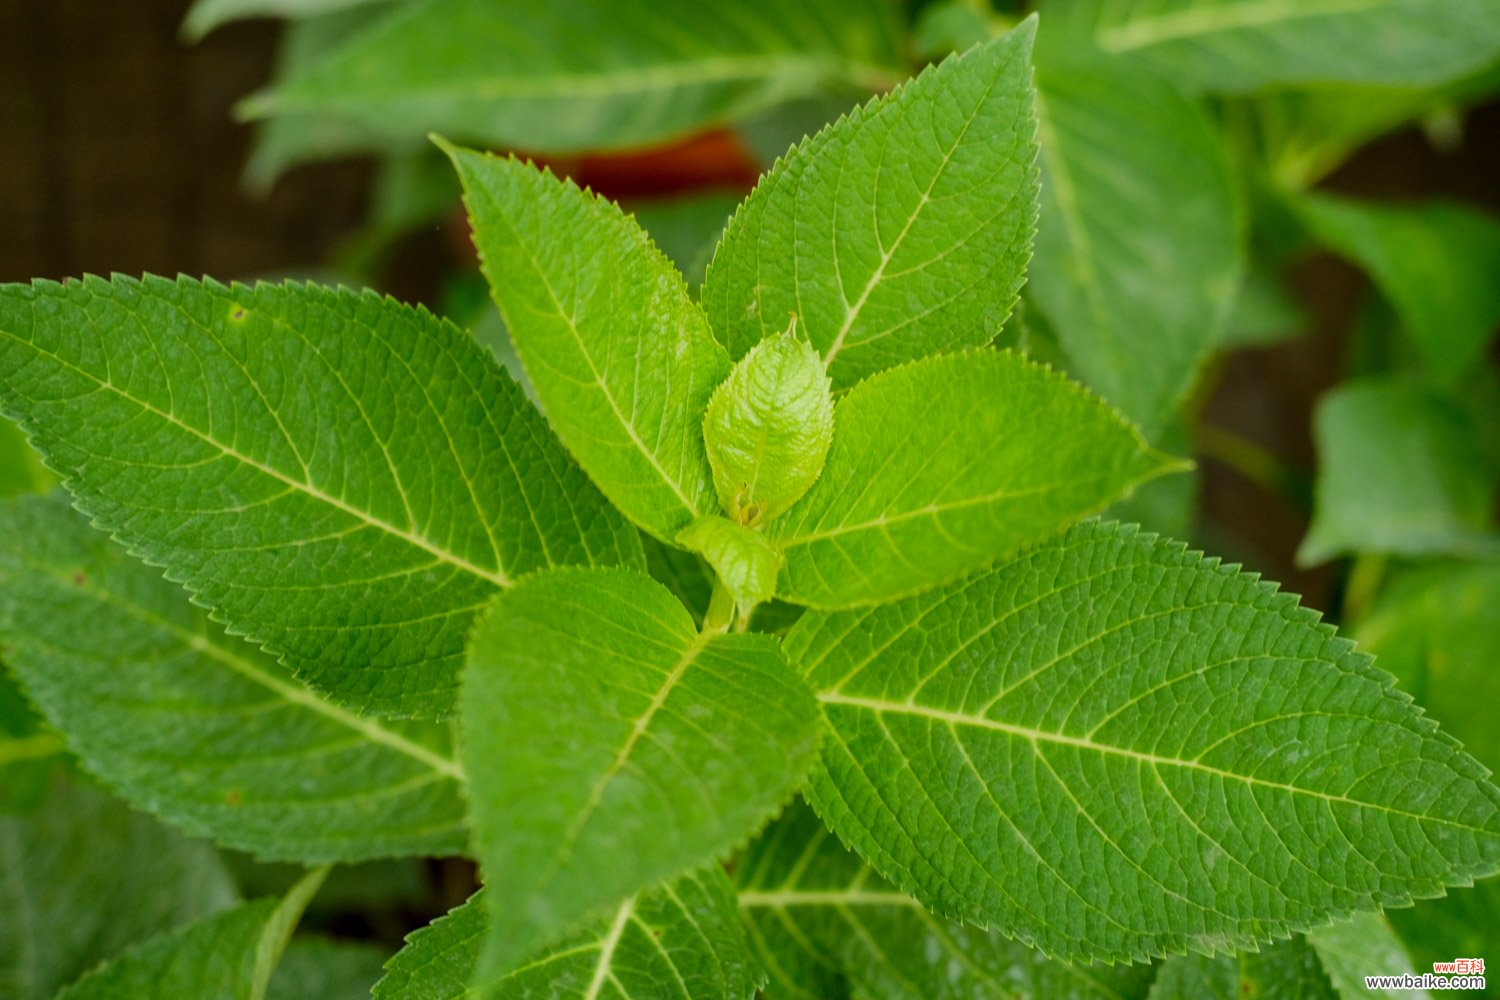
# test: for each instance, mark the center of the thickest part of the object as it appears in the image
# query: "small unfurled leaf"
(1439, 264)
(681, 941)
(200, 728)
(898, 232)
(83, 878)
(1136, 277)
(768, 428)
(610, 746)
(619, 354)
(230, 956)
(340, 478)
(1012, 750)
(1237, 46)
(589, 74)
(741, 557)
(942, 466)
(1401, 470)
(824, 925)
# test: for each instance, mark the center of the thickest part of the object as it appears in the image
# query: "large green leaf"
(1401, 470)
(230, 956)
(610, 746)
(340, 478)
(675, 942)
(592, 74)
(1439, 264)
(1114, 748)
(1136, 275)
(821, 920)
(1241, 45)
(200, 728)
(901, 230)
(85, 878)
(945, 465)
(619, 354)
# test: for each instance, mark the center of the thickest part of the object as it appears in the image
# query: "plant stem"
(1364, 582)
(721, 609)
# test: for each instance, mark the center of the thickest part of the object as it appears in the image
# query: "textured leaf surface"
(1241, 45)
(820, 919)
(610, 746)
(200, 728)
(84, 878)
(1438, 630)
(942, 466)
(1136, 277)
(900, 231)
(675, 942)
(619, 354)
(341, 478)
(230, 956)
(594, 74)
(1114, 748)
(1400, 470)
(1439, 264)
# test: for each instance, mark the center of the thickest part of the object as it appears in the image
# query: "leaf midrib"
(1203, 21)
(497, 577)
(291, 693)
(1035, 736)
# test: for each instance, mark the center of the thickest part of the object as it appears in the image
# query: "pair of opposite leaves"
(348, 483)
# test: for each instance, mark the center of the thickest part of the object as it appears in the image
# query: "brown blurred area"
(118, 152)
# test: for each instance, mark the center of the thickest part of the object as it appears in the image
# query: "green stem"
(1261, 466)
(1364, 583)
(721, 609)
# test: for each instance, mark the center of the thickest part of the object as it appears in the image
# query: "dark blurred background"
(119, 152)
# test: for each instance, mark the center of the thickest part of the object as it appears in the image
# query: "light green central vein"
(780, 899)
(1035, 736)
(607, 949)
(1206, 20)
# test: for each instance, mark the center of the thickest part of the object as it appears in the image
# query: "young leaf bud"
(768, 428)
(744, 560)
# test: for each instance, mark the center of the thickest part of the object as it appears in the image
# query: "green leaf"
(820, 919)
(1287, 970)
(1460, 925)
(1361, 947)
(619, 354)
(1439, 264)
(197, 727)
(326, 969)
(1136, 278)
(677, 942)
(1435, 629)
(341, 479)
(29, 751)
(1114, 748)
(595, 74)
(768, 428)
(1236, 46)
(230, 956)
(84, 878)
(610, 745)
(206, 15)
(942, 466)
(1401, 470)
(900, 231)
